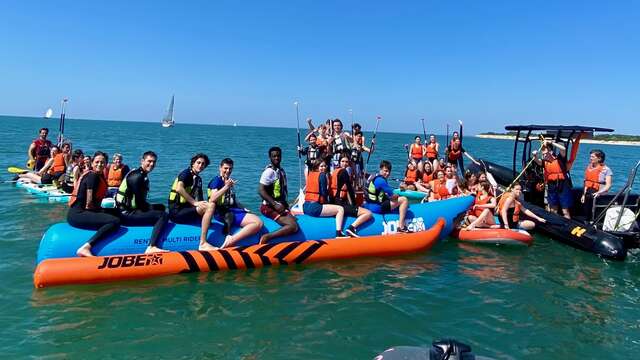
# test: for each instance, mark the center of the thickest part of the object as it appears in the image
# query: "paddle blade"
(16, 170)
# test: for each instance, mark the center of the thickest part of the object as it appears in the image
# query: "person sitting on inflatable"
(186, 201)
(381, 199)
(481, 214)
(439, 189)
(85, 211)
(510, 208)
(222, 192)
(598, 178)
(73, 171)
(52, 170)
(273, 190)
(316, 198)
(410, 176)
(131, 201)
(343, 194)
(116, 172)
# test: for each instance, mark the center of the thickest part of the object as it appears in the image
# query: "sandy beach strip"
(584, 141)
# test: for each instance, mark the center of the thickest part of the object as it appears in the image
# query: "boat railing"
(624, 192)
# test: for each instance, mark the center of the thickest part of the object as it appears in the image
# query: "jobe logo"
(391, 227)
(113, 262)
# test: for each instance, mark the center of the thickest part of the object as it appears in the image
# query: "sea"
(548, 301)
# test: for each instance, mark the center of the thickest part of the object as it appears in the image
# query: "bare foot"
(154, 249)
(85, 251)
(494, 226)
(264, 239)
(207, 247)
(227, 241)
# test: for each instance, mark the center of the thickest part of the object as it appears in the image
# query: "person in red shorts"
(273, 190)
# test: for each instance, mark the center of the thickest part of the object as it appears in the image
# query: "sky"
(488, 63)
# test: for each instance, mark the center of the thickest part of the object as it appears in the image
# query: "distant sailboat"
(235, 124)
(167, 121)
(48, 114)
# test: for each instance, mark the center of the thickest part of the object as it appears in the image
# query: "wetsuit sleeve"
(343, 179)
(382, 184)
(136, 183)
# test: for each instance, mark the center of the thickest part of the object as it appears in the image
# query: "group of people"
(334, 176)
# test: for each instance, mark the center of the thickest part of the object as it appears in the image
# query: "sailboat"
(48, 114)
(167, 121)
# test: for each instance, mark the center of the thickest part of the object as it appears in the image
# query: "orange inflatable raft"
(495, 236)
(53, 272)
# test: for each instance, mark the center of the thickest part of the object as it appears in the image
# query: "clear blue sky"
(488, 63)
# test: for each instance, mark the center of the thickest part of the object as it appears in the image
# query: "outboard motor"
(446, 349)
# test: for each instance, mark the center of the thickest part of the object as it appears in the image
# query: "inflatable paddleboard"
(62, 240)
(50, 193)
(99, 269)
(495, 236)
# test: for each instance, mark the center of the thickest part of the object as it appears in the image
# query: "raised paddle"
(424, 132)
(373, 139)
(300, 192)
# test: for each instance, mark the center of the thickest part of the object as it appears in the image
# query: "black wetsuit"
(350, 208)
(105, 221)
(143, 213)
(186, 213)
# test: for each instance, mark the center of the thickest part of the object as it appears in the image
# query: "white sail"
(48, 114)
(167, 121)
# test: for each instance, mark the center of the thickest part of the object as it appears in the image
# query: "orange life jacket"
(553, 170)
(517, 206)
(479, 200)
(416, 151)
(411, 176)
(440, 190)
(115, 176)
(58, 164)
(312, 193)
(454, 154)
(426, 178)
(344, 194)
(98, 194)
(431, 151)
(592, 177)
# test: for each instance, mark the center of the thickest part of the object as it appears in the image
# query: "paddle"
(299, 147)
(62, 117)
(424, 132)
(373, 139)
(16, 170)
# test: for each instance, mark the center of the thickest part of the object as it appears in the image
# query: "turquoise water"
(547, 301)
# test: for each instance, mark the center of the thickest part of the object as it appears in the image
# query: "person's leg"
(288, 224)
(32, 177)
(402, 204)
(157, 218)
(249, 225)
(363, 215)
(334, 210)
(206, 211)
(480, 220)
(104, 223)
(526, 225)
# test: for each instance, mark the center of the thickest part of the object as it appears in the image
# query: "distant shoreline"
(585, 141)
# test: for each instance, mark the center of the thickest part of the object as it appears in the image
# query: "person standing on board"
(85, 211)
(222, 192)
(339, 141)
(598, 178)
(417, 152)
(39, 150)
(131, 201)
(273, 191)
(454, 150)
(556, 176)
(186, 200)
(432, 150)
(380, 198)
